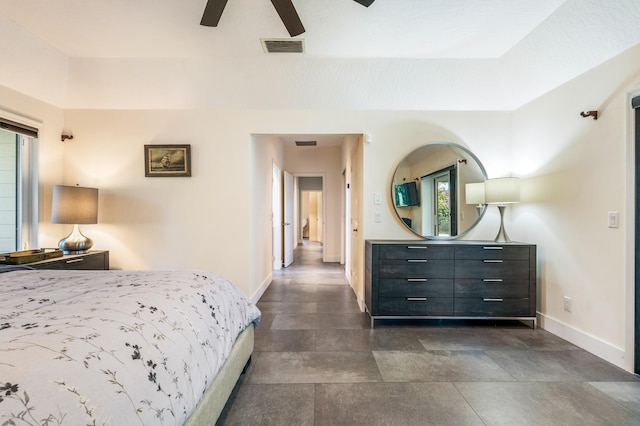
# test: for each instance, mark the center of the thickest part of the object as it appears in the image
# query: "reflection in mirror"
(429, 190)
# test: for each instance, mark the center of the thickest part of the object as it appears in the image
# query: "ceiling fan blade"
(289, 16)
(365, 3)
(213, 12)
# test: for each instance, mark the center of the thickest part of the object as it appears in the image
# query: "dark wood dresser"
(93, 260)
(450, 279)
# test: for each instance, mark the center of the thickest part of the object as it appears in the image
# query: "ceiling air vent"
(306, 143)
(282, 45)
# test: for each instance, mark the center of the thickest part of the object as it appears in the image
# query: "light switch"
(614, 218)
(377, 198)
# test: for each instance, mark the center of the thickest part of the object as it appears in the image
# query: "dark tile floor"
(317, 362)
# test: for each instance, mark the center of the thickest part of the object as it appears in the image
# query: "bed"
(120, 347)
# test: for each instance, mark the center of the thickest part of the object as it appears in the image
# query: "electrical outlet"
(567, 303)
(378, 217)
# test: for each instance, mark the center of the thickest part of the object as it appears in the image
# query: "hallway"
(317, 362)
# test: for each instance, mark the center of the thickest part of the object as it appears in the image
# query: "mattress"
(114, 347)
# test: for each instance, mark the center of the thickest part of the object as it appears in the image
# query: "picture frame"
(167, 160)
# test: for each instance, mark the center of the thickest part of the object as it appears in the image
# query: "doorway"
(311, 210)
(311, 203)
(325, 162)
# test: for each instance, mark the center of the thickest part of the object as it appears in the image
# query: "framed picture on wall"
(167, 160)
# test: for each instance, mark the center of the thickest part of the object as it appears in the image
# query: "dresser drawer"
(435, 306)
(409, 287)
(492, 252)
(493, 288)
(449, 279)
(493, 269)
(415, 251)
(491, 307)
(94, 260)
(415, 268)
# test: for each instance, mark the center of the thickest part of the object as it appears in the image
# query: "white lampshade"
(502, 190)
(74, 205)
(474, 193)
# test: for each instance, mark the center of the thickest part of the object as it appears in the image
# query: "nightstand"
(93, 260)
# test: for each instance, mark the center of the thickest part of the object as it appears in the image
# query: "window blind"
(19, 128)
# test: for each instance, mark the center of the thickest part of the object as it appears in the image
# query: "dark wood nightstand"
(93, 260)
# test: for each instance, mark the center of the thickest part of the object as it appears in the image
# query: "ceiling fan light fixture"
(212, 13)
(365, 3)
(289, 16)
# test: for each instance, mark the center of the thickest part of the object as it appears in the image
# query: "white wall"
(396, 134)
(201, 222)
(575, 171)
(208, 221)
(30, 66)
(265, 151)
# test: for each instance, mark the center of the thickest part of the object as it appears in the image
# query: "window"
(439, 192)
(18, 187)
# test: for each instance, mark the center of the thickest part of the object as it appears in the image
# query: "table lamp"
(474, 194)
(74, 205)
(502, 191)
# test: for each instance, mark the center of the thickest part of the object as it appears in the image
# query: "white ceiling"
(394, 55)
(335, 28)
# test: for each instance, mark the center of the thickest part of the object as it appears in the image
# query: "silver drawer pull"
(492, 261)
(492, 300)
(74, 260)
(417, 247)
(492, 280)
(492, 248)
(416, 299)
(417, 280)
(417, 260)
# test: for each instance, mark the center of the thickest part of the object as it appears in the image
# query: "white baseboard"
(596, 346)
(263, 287)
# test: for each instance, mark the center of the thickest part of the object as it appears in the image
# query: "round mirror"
(429, 191)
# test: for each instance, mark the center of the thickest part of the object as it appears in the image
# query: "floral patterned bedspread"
(113, 347)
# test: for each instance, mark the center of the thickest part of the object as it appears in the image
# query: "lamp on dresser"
(475, 195)
(502, 191)
(74, 205)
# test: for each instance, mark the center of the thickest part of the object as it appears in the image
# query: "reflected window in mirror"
(439, 172)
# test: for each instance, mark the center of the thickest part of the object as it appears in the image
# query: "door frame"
(276, 217)
(632, 296)
(288, 206)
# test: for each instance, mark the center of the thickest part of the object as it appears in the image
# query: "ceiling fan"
(285, 8)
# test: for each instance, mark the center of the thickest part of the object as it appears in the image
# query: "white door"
(357, 245)
(288, 219)
(276, 218)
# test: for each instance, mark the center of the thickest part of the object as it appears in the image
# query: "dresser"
(93, 260)
(450, 279)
